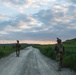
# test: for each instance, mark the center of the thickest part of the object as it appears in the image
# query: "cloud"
(21, 23)
(59, 20)
(23, 2)
(19, 2)
(22, 27)
(57, 14)
(5, 17)
(21, 5)
(73, 1)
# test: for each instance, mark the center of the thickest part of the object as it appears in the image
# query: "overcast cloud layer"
(37, 20)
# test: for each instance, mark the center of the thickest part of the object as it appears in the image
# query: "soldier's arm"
(20, 46)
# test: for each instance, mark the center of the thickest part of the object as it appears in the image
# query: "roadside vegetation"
(69, 60)
(5, 50)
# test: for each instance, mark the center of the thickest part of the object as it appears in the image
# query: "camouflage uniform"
(18, 49)
(59, 50)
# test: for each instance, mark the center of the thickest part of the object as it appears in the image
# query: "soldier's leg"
(59, 63)
(19, 52)
(57, 56)
(16, 52)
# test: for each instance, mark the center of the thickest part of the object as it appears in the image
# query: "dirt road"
(30, 62)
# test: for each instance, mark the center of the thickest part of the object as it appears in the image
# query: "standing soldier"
(59, 50)
(18, 48)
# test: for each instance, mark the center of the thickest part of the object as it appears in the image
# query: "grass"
(47, 50)
(69, 56)
(6, 50)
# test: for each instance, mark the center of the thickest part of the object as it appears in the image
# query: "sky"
(37, 21)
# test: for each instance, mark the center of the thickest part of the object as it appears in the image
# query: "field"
(70, 54)
(5, 50)
(69, 60)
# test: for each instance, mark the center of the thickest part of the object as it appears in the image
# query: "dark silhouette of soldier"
(59, 50)
(18, 46)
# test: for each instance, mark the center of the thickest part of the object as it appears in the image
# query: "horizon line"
(27, 42)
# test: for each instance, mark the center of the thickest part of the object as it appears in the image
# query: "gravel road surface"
(30, 62)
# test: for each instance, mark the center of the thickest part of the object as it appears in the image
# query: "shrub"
(70, 61)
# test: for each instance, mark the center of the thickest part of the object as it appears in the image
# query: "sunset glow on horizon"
(26, 41)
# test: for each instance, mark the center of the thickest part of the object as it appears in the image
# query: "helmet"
(59, 40)
(17, 40)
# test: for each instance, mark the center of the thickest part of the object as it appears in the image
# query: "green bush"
(2, 54)
(70, 61)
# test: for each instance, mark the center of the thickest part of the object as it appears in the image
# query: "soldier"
(18, 48)
(59, 50)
